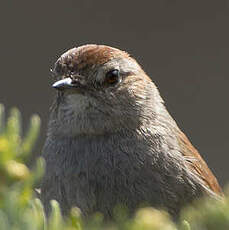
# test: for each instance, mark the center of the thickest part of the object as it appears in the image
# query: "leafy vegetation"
(21, 210)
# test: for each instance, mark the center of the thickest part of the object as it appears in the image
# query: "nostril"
(76, 79)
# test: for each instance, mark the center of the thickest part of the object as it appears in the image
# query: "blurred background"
(183, 45)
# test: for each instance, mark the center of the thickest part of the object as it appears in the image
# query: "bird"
(111, 141)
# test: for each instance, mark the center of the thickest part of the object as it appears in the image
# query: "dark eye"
(113, 77)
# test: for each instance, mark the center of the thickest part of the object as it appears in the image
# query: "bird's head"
(101, 89)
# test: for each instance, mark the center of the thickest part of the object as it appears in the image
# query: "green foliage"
(21, 210)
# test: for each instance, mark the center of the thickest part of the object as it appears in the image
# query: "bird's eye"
(113, 77)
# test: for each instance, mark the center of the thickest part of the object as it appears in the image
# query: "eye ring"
(113, 77)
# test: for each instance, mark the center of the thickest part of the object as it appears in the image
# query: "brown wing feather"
(198, 164)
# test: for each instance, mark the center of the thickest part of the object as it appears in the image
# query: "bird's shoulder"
(196, 163)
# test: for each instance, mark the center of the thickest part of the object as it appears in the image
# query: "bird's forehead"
(86, 56)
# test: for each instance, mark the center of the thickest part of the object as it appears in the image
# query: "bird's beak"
(66, 83)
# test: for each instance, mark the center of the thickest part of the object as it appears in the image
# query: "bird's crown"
(86, 56)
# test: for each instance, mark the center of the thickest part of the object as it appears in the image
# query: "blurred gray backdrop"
(183, 45)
